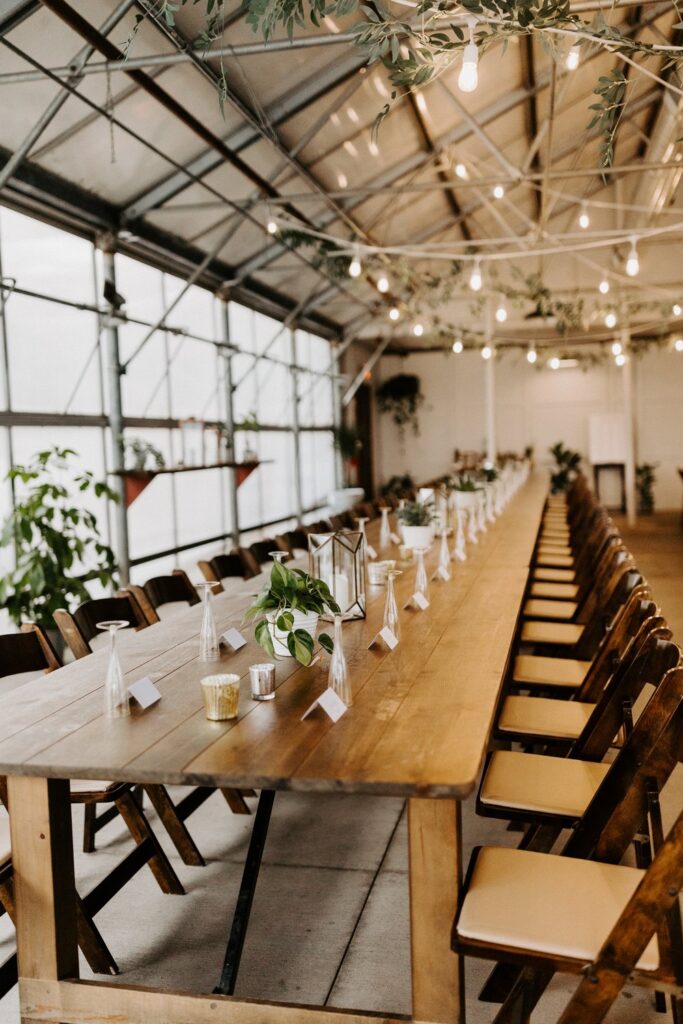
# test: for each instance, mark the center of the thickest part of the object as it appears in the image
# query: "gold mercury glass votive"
(221, 696)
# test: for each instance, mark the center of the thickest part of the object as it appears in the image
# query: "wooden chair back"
(293, 540)
(223, 566)
(79, 628)
(634, 613)
(27, 651)
(161, 590)
(261, 549)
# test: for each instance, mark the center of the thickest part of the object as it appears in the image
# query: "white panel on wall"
(607, 438)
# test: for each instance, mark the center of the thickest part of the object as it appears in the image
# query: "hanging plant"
(401, 396)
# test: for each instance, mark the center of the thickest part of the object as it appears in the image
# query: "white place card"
(144, 692)
(417, 600)
(331, 703)
(395, 539)
(233, 638)
(370, 551)
(385, 635)
(441, 573)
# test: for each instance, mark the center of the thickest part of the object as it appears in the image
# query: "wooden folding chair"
(261, 551)
(175, 589)
(555, 791)
(536, 912)
(237, 563)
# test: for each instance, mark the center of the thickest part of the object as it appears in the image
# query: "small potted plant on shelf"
(417, 523)
(466, 491)
(140, 456)
(287, 610)
(249, 425)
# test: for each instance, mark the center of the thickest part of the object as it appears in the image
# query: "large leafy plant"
(567, 465)
(57, 544)
(287, 591)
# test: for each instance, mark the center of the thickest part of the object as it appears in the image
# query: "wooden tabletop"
(418, 726)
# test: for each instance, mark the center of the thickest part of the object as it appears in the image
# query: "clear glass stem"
(385, 529)
(391, 608)
(421, 581)
(338, 678)
(208, 640)
(117, 701)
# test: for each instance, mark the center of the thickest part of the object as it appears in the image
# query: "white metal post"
(490, 388)
(298, 490)
(112, 364)
(229, 415)
(631, 428)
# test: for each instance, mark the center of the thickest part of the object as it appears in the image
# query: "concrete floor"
(330, 919)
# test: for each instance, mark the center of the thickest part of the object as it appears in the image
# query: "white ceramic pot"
(302, 620)
(418, 536)
(466, 499)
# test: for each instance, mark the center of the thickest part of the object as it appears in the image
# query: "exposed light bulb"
(383, 284)
(611, 320)
(468, 79)
(620, 359)
(355, 268)
(458, 346)
(603, 287)
(632, 263)
(676, 309)
(342, 180)
(461, 171)
(531, 356)
(554, 363)
(394, 313)
(678, 344)
(418, 330)
(353, 116)
(584, 219)
(572, 59)
(616, 348)
(271, 226)
(501, 313)
(486, 352)
(475, 276)
(373, 147)
(498, 192)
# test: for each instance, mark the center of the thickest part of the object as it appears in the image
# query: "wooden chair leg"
(140, 829)
(89, 828)
(177, 830)
(524, 996)
(235, 800)
(93, 946)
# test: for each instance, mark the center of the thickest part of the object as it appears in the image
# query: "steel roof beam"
(312, 89)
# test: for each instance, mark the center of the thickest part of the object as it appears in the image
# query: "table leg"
(435, 856)
(42, 857)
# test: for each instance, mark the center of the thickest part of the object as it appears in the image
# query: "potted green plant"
(466, 491)
(140, 456)
(57, 544)
(287, 610)
(645, 482)
(347, 442)
(249, 425)
(401, 396)
(417, 523)
(567, 466)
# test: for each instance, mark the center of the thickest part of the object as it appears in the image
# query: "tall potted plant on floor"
(56, 543)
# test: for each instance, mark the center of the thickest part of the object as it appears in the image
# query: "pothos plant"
(401, 396)
(288, 591)
(56, 542)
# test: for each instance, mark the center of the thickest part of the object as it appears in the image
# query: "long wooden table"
(418, 728)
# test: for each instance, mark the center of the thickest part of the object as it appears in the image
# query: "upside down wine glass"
(390, 606)
(384, 529)
(421, 580)
(208, 638)
(338, 678)
(116, 699)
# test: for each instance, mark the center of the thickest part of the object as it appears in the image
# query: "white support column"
(336, 412)
(631, 427)
(490, 388)
(223, 299)
(112, 363)
(298, 489)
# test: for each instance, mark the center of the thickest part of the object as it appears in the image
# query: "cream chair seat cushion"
(537, 608)
(548, 904)
(83, 787)
(539, 783)
(555, 561)
(556, 591)
(546, 548)
(538, 671)
(550, 575)
(543, 716)
(565, 633)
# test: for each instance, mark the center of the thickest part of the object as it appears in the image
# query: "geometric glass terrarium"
(339, 560)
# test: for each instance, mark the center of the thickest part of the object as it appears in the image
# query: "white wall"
(533, 407)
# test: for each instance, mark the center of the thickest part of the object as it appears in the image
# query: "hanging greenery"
(401, 396)
(415, 52)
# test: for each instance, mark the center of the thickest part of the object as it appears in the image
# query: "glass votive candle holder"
(262, 678)
(221, 696)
